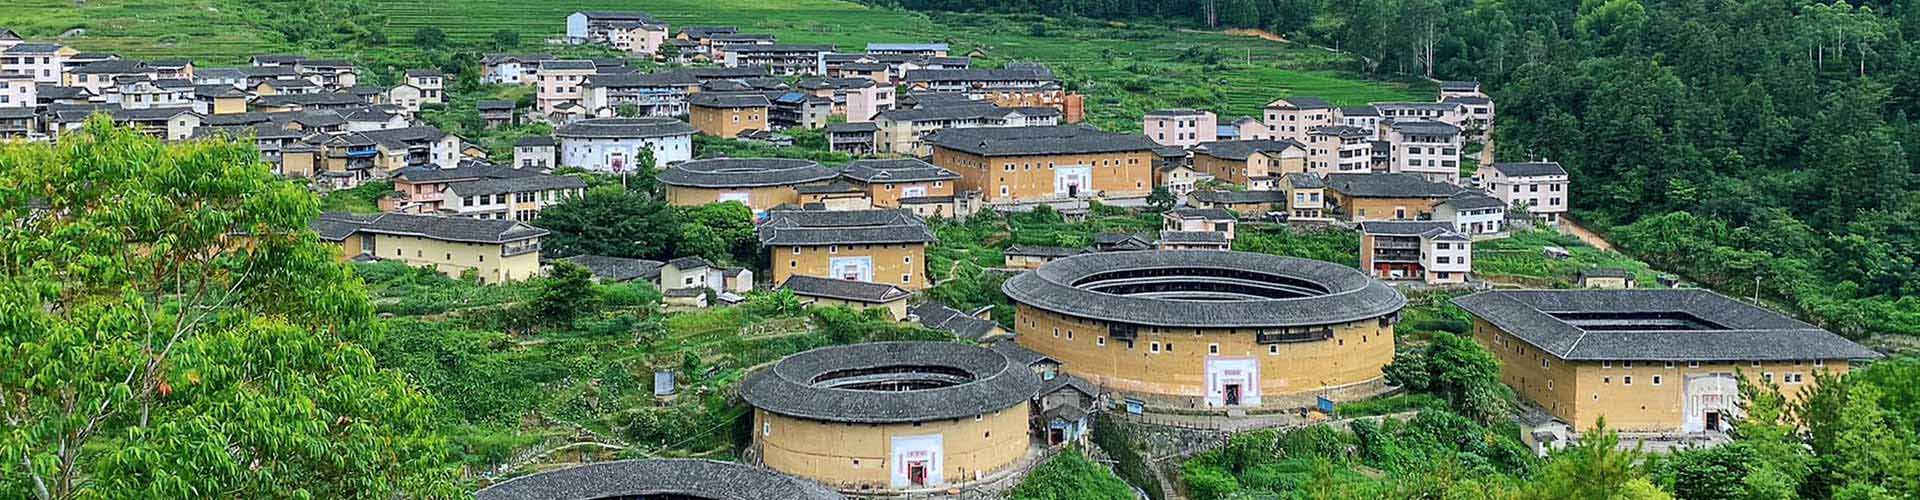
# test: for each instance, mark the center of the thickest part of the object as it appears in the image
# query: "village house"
(1460, 88)
(1291, 118)
(1649, 360)
(1013, 86)
(496, 113)
(1022, 164)
(1384, 196)
(19, 123)
(172, 124)
(909, 49)
(877, 246)
(1179, 178)
(511, 69)
(658, 94)
(759, 183)
(719, 44)
(1255, 164)
(518, 198)
(886, 182)
(615, 144)
(99, 77)
(298, 103)
(1428, 251)
(859, 295)
(795, 109)
(632, 32)
(47, 62)
(18, 90)
(852, 138)
(783, 59)
(496, 251)
(905, 131)
(329, 73)
(837, 194)
(1612, 278)
(1182, 127)
(937, 316)
(376, 117)
(219, 99)
(1541, 187)
(1193, 240)
(411, 147)
(1473, 213)
(693, 273)
(1477, 113)
(1339, 148)
(609, 270)
(432, 84)
(1244, 202)
(857, 99)
(422, 190)
(1034, 256)
(535, 153)
(1361, 117)
(1306, 198)
(1443, 112)
(727, 115)
(1425, 147)
(560, 83)
(1217, 220)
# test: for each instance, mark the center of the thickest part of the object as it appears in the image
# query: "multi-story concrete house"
(1478, 113)
(562, 82)
(657, 94)
(796, 109)
(1425, 147)
(1182, 127)
(1291, 118)
(496, 251)
(100, 77)
(632, 32)
(1218, 220)
(138, 92)
(173, 124)
(857, 99)
(909, 49)
(18, 90)
(423, 190)
(1473, 213)
(1649, 360)
(1444, 112)
(1023, 164)
(1179, 177)
(511, 69)
(510, 198)
(1306, 197)
(535, 152)
(497, 113)
(412, 147)
(855, 138)
(1013, 86)
(232, 77)
(1339, 148)
(9, 38)
(1539, 186)
(432, 84)
(783, 59)
(905, 131)
(331, 74)
(615, 144)
(1255, 164)
(1460, 88)
(875, 246)
(727, 115)
(217, 99)
(1384, 196)
(1429, 251)
(719, 44)
(171, 69)
(47, 62)
(285, 86)
(1364, 117)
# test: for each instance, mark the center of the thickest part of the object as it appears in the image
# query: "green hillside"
(1126, 70)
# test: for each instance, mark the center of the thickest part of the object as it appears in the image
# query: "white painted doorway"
(1233, 382)
(1073, 181)
(918, 462)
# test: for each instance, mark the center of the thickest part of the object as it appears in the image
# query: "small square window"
(1628, 380)
(1213, 348)
(1656, 380)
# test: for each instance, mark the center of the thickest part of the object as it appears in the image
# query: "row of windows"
(1696, 364)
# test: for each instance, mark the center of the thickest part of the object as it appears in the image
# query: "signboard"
(1136, 407)
(1325, 405)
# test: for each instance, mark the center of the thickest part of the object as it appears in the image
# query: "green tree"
(1070, 476)
(173, 329)
(1458, 370)
(610, 221)
(429, 38)
(505, 39)
(1594, 468)
(1161, 199)
(564, 294)
(721, 232)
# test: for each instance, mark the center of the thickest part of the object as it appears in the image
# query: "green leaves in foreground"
(172, 329)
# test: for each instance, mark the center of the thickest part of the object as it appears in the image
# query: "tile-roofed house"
(1605, 277)
(882, 246)
(618, 269)
(613, 144)
(981, 155)
(1431, 251)
(726, 115)
(1384, 196)
(1472, 212)
(938, 316)
(856, 294)
(1542, 187)
(518, 197)
(1252, 163)
(1194, 240)
(625, 478)
(497, 250)
(1034, 256)
(1611, 349)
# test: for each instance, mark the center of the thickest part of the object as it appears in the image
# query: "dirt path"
(1257, 33)
(1571, 227)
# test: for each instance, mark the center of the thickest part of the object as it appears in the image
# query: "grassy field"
(1126, 70)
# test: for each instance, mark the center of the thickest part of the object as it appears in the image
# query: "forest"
(1761, 147)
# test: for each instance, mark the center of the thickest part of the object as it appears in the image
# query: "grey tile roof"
(534, 140)
(460, 173)
(852, 128)
(1193, 237)
(734, 72)
(1421, 127)
(780, 48)
(719, 100)
(1530, 169)
(1468, 199)
(1302, 180)
(1042, 251)
(745, 172)
(1389, 185)
(316, 99)
(529, 184)
(1240, 150)
(1020, 354)
(397, 138)
(1201, 213)
(689, 263)
(1605, 272)
(1459, 85)
(567, 64)
(1469, 99)
(432, 227)
(789, 387)
(938, 316)
(1359, 111)
(617, 269)
(1174, 112)
(1300, 102)
(338, 226)
(907, 170)
(834, 186)
(1239, 197)
(1027, 141)
(1422, 228)
(1021, 73)
(624, 128)
(880, 47)
(857, 291)
(843, 227)
(1340, 131)
(1350, 295)
(645, 478)
(112, 66)
(1735, 330)
(33, 48)
(494, 105)
(631, 80)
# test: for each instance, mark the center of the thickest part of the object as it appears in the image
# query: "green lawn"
(1125, 70)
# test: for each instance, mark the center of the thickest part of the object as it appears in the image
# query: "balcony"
(1293, 335)
(1396, 256)
(519, 248)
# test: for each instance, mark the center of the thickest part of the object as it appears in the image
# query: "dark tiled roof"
(836, 186)
(661, 79)
(1024, 141)
(1388, 185)
(1300, 103)
(1738, 331)
(494, 105)
(789, 387)
(316, 99)
(852, 128)
(1407, 228)
(112, 66)
(937, 316)
(1239, 197)
(338, 226)
(857, 291)
(843, 227)
(460, 173)
(400, 137)
(424, 72)
(1605, 272)
(567, 64)
(689, 263)
(780, 48)
(1422, 127)
(1004, 74)
(1200, 213)
(534, 140)
(617, 269)
(1340, 131)
(1530, 169)
(33, 48)
(644, 478)
(1020, 354)
(1469, 99)
(744, 172)
(624, 128)
(1468, 199)
(1194, 237)
(1302, 180)
(1240, 150)
(1459, 85)
(1351, 295)
(1359, 111)
(1041, 251)
(533, 183)
(907, 170)
(1175, 112)
(432, 227)
(716, 100)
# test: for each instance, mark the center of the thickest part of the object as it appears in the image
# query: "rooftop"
(1301, 102)
(938, 316)
(525, 184)
(617, 269)
(906, 170)
(1388, 185)
(1239, 197)
(1026, 141)
(1206, 289)
(1240, 150)
(745, 172)
(843, 227)
(677, 478)
(337, 226)
(1530, 169)
(891, 382)
(624, 128)
(716, 100)
(849, 290)
(1655, 325)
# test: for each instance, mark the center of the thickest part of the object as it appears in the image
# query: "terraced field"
(1126, 70)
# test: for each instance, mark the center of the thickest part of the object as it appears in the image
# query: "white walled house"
(613, 144)
(1425, 147)
(1541, 186)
